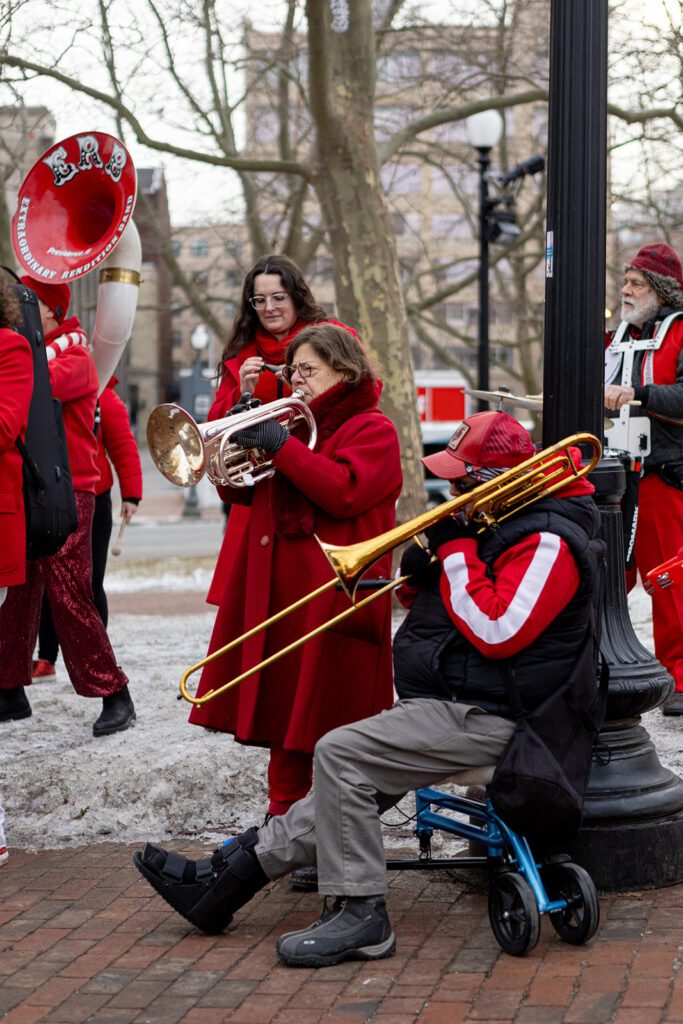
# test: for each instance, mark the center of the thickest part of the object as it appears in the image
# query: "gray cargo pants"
(364, 768)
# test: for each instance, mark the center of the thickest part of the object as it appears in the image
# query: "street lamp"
(196, 400)
(484, 131)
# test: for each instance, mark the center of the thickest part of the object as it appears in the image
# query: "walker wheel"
(513, 913)
(579, 921)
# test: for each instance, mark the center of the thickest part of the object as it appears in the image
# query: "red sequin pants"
(67, 580)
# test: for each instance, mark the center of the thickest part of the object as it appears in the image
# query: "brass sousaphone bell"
(74, 216)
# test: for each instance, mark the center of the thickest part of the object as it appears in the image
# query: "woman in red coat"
(343, 491)
(276, 304)
(16, 387)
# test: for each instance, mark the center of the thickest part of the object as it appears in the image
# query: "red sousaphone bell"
(74, 208)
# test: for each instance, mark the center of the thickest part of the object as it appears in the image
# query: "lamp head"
(484, 129)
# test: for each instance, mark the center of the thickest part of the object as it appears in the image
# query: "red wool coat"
(115, 441)
(344, 491)
(74, 382)
(16, 387)
(271, 351)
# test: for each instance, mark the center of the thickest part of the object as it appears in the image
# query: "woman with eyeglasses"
(343, 491)
(276, 304)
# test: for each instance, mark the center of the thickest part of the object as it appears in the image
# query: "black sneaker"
(14, 704)
(674, 704)
(356, 928)
(206, 892)
(118, 712)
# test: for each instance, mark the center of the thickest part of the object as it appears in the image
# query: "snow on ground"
(163, 778)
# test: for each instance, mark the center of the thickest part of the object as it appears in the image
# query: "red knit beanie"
(55, 296)
(659, 259)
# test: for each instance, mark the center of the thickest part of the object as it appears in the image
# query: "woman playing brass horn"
(345, 491)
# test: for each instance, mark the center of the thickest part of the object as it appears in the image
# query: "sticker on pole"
(549, 253)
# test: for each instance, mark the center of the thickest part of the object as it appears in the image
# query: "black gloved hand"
(417, 563)
(247, 401)
(269, 435)
(447, 529)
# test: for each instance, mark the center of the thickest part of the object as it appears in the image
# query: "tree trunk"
(347, 182)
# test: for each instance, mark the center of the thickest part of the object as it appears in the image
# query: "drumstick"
(116, 550)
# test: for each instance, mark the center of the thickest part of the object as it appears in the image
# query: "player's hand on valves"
(269, 436)
(616, 396)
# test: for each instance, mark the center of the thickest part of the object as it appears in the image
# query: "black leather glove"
(269, 436)
(417, 563)
(447, 529)
(247, 401)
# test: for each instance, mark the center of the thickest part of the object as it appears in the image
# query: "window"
(450, 225)
(201, 279)
(199, 247)
(176, 338)
(396, 68)
(233, 278)
(233, 247)
(229, 308)
(401, 179)
(406, 224)
(176, 246)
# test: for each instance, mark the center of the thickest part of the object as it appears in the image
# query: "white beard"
(637, 313)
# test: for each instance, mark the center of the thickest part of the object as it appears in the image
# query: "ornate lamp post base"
(632, 835)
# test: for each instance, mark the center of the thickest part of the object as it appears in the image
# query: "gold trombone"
(486, 506)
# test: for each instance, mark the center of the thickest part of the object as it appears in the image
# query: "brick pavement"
(84, 939)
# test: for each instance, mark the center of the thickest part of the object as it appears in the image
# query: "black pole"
(484, 161)
(633, 815)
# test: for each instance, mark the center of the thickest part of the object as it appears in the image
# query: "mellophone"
(183, 450)
(665, 575)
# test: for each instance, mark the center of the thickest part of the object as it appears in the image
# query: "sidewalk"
(84, 939)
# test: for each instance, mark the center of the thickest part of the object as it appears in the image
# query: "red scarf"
(293, 513)
(272, 349)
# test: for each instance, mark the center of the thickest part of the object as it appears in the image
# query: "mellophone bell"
(82, 192)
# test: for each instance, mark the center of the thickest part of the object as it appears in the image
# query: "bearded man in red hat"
(66, 577)
(652, 309)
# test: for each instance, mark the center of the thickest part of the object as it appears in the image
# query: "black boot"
(304, 879)
(118, 712)
(206, 892)
(356, 928)
(14, 704)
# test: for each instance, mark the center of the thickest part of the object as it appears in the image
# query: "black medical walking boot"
(206, 892)
(14, 704)
(356, 928)
(118, 712)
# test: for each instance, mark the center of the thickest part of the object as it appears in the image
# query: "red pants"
(67, 579)
(659, 535)
(290, 773)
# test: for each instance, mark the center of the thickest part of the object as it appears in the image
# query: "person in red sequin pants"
(66, 576)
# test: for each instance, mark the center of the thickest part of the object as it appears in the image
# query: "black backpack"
(540, 779)
(49, 501)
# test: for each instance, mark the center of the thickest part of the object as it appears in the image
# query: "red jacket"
(16, 387)
(229, 391)
(74, 382)
(115, 439)
(344, 491)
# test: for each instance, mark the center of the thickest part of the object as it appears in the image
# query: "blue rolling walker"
(521, 888)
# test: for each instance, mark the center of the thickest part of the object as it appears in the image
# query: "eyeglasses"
(304, 370)
(277, 299)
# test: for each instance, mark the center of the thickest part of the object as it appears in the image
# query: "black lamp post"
(195, 398)
(633, 814)
(484, 131)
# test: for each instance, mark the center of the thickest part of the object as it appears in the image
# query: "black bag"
(49, 501)
(540, 780)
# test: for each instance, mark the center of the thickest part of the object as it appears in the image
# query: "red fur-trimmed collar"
(293, 513)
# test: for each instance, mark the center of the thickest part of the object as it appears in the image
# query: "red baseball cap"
(55, 296)
(491, 440)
